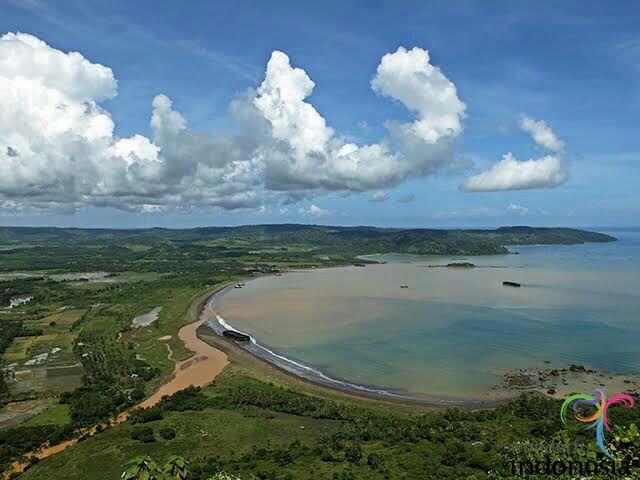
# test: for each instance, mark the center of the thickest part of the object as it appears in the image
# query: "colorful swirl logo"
(599, 420)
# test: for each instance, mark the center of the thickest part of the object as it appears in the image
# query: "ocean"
(453, 332)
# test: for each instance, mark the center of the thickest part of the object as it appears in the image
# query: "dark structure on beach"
(511, 284)
(237, 336)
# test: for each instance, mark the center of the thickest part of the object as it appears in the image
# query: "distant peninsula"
(236, 241)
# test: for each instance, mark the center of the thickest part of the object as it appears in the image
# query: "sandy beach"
(199, 370)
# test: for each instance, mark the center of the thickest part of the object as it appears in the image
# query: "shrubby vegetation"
(16, 288)
(143, 434)
(108, 386)
(145, 415)
(17, 441)
(167, 433)
(372, 443)
(145, 468)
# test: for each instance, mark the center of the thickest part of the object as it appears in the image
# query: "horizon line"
(594, 227)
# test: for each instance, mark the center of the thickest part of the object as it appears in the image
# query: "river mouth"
(453, 335)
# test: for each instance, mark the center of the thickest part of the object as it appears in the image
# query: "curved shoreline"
(542, 379)
(299, 370)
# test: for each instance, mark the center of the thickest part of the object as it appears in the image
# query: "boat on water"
(511, 284)
(404, 286)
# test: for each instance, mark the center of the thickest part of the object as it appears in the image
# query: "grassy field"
(17, 351)
(259, 430)
(222, 433)
(227, 434)
(18, 413)
(56, 414)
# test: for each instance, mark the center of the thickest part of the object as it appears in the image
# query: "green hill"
(351, 239)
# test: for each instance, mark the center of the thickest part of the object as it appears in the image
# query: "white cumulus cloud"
(70, 74)
(281, 100)
(58, 149)
(409, 77)
(319, 158)
(513, 174)
(379, 196)
(314, 211)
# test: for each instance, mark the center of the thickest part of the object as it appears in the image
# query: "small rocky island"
(452, 265)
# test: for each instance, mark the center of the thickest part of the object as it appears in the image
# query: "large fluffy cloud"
(309, 154)
(512, 174)
(409, 77)
(281, 100)
(58, 148)
(25, 56)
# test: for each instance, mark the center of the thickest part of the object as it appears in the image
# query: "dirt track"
(198, 370)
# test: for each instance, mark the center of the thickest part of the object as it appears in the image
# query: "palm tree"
(142, 468)
(176, 468)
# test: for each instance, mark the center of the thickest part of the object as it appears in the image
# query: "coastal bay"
(453, 334)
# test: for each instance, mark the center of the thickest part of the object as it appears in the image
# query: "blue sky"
(573, 65)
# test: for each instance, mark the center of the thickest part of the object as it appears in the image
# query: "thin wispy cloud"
(221, 60)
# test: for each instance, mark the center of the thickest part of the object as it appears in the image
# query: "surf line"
(297, 368)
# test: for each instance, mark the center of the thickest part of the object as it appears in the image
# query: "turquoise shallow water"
(453, 332)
